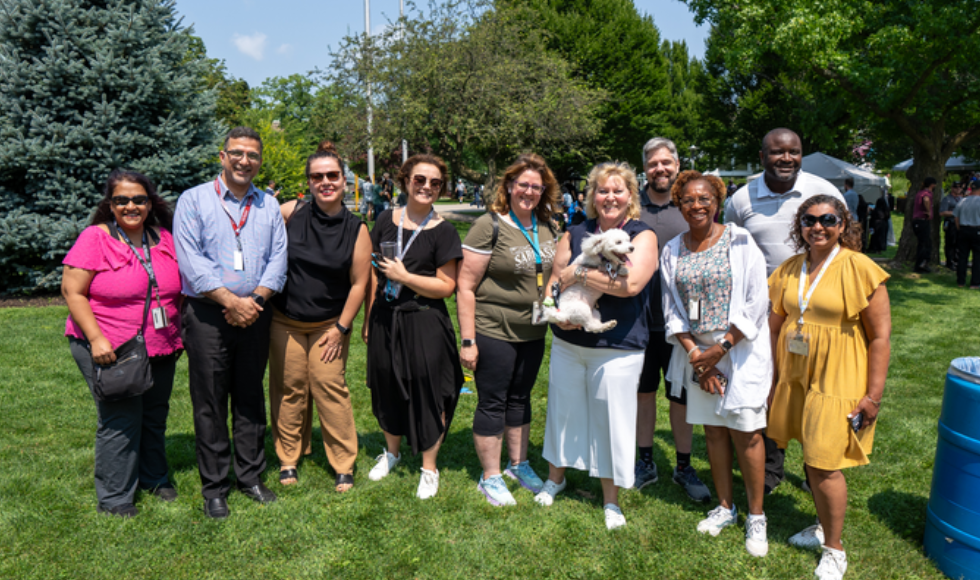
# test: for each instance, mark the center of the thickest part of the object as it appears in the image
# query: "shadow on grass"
(903, 513)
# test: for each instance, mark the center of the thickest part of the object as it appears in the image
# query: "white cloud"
(252, 45)
(284, 49)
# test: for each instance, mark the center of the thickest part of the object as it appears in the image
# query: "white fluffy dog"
(607, 251)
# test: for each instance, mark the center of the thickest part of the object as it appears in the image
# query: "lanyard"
(236, 227)
(599, 230)
(804, 302)
(146, 263)
(401, 224)
(538, 267)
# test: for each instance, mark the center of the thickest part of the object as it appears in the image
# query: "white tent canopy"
(866, 184)
(955, 163)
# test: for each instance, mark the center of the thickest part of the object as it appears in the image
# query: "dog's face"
(614, 245)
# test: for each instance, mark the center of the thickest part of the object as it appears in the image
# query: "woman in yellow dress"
(831, 327)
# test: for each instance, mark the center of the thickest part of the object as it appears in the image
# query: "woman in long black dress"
(413, 363)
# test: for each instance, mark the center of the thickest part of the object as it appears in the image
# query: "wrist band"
(873, 402)
(690, 351)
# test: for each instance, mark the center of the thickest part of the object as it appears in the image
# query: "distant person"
(880, 223)
(271, 189)
(231, 247)
(922, 225)
(946, 207)
(105, 284)
(832, 350)
(386, 191)
(460, 190)
(967, 216)
(767, 208)
(732, 188)
(851, 198)
(578, 210)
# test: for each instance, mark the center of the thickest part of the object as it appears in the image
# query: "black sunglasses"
(123, 201)
(420, 180)
(330, 176)
(827, 220)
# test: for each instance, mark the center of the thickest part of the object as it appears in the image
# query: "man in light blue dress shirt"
(231, 248)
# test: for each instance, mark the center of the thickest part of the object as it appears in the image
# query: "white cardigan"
(750, 361)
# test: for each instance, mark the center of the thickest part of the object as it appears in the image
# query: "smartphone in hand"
(857, 421)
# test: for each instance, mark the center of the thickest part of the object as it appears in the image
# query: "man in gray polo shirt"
(766, 207)
(967, 216)
(661, 165)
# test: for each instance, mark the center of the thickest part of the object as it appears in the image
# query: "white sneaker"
(614, 516)
(833, 564)
(385, 463)
(717, 520)
(810, 538)
(547, 495)
(428, 484)
(756, 542)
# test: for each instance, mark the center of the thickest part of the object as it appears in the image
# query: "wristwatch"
(725, 345)
(468, 342)
(258, 299)
(343, 329)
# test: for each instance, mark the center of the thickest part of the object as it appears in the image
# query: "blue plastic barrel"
(953, 517)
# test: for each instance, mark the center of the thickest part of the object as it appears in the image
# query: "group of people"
(769, 327)
(960, 210)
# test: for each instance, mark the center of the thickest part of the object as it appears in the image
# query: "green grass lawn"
(50, 529)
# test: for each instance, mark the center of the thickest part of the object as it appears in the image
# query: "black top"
(633, 313)
(321, 251)
(432, 249)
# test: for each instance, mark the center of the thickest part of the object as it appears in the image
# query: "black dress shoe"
(122, 511)
(259, 493)
(216, 508)
(165, 492)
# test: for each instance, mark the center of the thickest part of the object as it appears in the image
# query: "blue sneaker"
(523, 473)
(644, 474)
(496, 491)
(695, 488)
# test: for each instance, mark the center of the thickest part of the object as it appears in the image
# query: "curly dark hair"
(850, 234)
(405, 173)
(690, 176)
(160, 213)
(548, 203)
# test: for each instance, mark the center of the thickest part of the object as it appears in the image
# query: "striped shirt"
(206, 246)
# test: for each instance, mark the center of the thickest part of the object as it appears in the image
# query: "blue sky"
(259, 39)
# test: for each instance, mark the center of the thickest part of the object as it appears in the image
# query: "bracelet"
(581, 274)
(873, 402)
(690, 351)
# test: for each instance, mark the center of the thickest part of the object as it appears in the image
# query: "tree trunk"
(928, 163)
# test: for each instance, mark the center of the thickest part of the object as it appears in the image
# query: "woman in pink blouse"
(105, 282)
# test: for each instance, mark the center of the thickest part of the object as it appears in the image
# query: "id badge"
(239, 260)
(392, 290)
(798, 343)
(537, 314)
(694, 309)
(160, 319)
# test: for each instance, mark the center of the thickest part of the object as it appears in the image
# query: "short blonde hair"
(600, 174)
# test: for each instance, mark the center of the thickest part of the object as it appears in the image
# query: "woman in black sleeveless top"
(326, 280)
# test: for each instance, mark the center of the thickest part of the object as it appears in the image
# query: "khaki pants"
(297, 377)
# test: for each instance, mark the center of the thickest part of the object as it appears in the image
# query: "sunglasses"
(329, 176)
(123, 201)
(827, 220)
(420, 181)
(236, 155)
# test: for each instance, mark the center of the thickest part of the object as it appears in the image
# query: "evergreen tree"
(87, 86)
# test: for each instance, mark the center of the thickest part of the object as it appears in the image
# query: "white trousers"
(591, 421)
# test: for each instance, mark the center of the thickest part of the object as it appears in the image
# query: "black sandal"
(344, 479)
(288, 474)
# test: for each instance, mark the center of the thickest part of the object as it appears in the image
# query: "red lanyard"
(599, 230)
(248, 207)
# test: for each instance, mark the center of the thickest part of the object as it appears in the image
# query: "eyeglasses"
(329, 176)
(827, 220)
(236, 155)
(420, 181)
(123, 201)
(523, 186)
(702, 201)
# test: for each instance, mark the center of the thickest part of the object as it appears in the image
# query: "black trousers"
(226, 362)
(923, 235)
(504, 375)
(951, 246)
(130, 440)
(968, 240)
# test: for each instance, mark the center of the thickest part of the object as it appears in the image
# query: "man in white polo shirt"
(766, 207)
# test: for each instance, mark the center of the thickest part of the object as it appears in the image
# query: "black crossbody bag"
(130, 376)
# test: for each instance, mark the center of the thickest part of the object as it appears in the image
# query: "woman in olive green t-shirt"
(501, 278)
